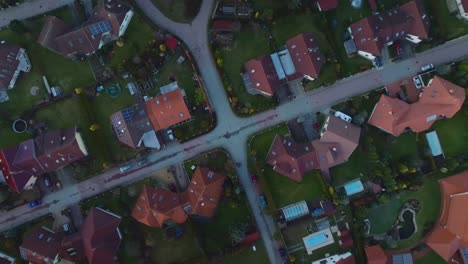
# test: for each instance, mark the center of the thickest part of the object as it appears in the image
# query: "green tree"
(402, 168)
(199, 97)
(17, 27)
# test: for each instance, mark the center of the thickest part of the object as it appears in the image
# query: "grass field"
(453, 134)
(175, 9)
(247, 255)
(430, 258)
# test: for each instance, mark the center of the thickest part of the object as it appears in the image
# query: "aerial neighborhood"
(228, 131)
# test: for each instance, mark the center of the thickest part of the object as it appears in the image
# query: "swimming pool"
(314, 241)
(353, 187)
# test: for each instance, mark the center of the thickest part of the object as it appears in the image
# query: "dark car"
(142, 162)
(34, 203)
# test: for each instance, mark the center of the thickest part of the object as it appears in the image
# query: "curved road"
(231, 132)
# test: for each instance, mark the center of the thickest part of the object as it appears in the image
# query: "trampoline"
(113, 89)
(19, 126)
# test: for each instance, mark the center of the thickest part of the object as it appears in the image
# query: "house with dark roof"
(439, 99)
(337, 142)
(133, 128)
(407, 22)
(22, 164)
(450, 234)
(375, 255)
(13, 61)
(157, 207)
(97, 241)
(326, 5)
(462, 8)
(108, 22)
(169, 108)
(301, 59)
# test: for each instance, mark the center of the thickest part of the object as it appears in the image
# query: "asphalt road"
(231, 132)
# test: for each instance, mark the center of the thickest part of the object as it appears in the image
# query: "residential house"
(449, 238)
(22, 164)
(5, 259)
(108, 22)
(440, 99)
(407, 22)
(167, 109)
(462, 6)
(375, 255)
(133, 128)
(159, 207)
(337, 142)
(13, 61)
(326, 5)
(97, 242)
(301, 59)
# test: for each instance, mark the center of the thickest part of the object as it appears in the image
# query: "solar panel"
(464, 253)
(100, 27)
(127, 114)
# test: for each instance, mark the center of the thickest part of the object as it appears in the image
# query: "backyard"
(446, 25)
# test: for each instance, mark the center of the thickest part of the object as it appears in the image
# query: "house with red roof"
(407, 22)
(462, 6)
(450, 235)
(439, 99)
(21, 165)
(376, 255)
(167, 109)
(108, 22)
(97, 241)
(337, 142)
(301, 59)
(157, 207)
(13, 61)
(326, 5)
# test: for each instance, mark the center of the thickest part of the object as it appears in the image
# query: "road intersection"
(231, 132)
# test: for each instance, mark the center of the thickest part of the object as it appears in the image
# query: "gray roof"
(406, 258)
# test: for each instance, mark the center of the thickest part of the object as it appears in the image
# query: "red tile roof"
(263, 75)
(372, 33)
(223, 24)
(204, 192)
(348, 260)
(41, 246)
(34, 157)
(465, 5)
(306, 55)
(402, 88)
(326, 5)
(155, 207)
(451, 231)
(375, 255)
(167, 109)
(440, 98)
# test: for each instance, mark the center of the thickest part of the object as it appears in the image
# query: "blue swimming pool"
(353, 187)
(313, 241)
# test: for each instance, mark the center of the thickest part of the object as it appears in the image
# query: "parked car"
(142, 161)
(125, 168)
(418, 82)
(427, 67)
(170, 134)
(34, 203)
(263, 201)
(47, 180)
(253, 177)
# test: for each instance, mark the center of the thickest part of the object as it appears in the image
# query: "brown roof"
(404, 89)
(204, 191)
(8, 63)
(53, 27)
(375, 255)
(440, 98)
(326, 5)
(156, 206)
(451, 232)
(41, 246)
(130, 124)
(292, 159)
(306, 55)
(44, 154)
(343, 133)
(101, 236)
(263, 75)
(372, 33)
(167, 109)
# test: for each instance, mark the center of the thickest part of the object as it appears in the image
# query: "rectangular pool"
(315, 240)
(318, 240)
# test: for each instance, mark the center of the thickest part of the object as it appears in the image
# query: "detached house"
(13, 61)
(96, 242)
(407, 22)
(22, 164)
(158, 207)
(301, 59)
(108, 22)
(337, 142)
(439, 99)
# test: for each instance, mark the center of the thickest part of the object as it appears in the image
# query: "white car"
(343, 116)
(418, 82)
(427, 67)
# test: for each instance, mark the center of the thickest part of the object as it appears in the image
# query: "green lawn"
(247, 255)
(383, 217)
(453, 134)
(175, 9)
(445, 25)
(218, 160)
(249, 44)
(430, 258)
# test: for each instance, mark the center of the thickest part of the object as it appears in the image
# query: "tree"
(294, 4)
(199, 97)
(17, 27)
(220, 62)
(237, 232)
